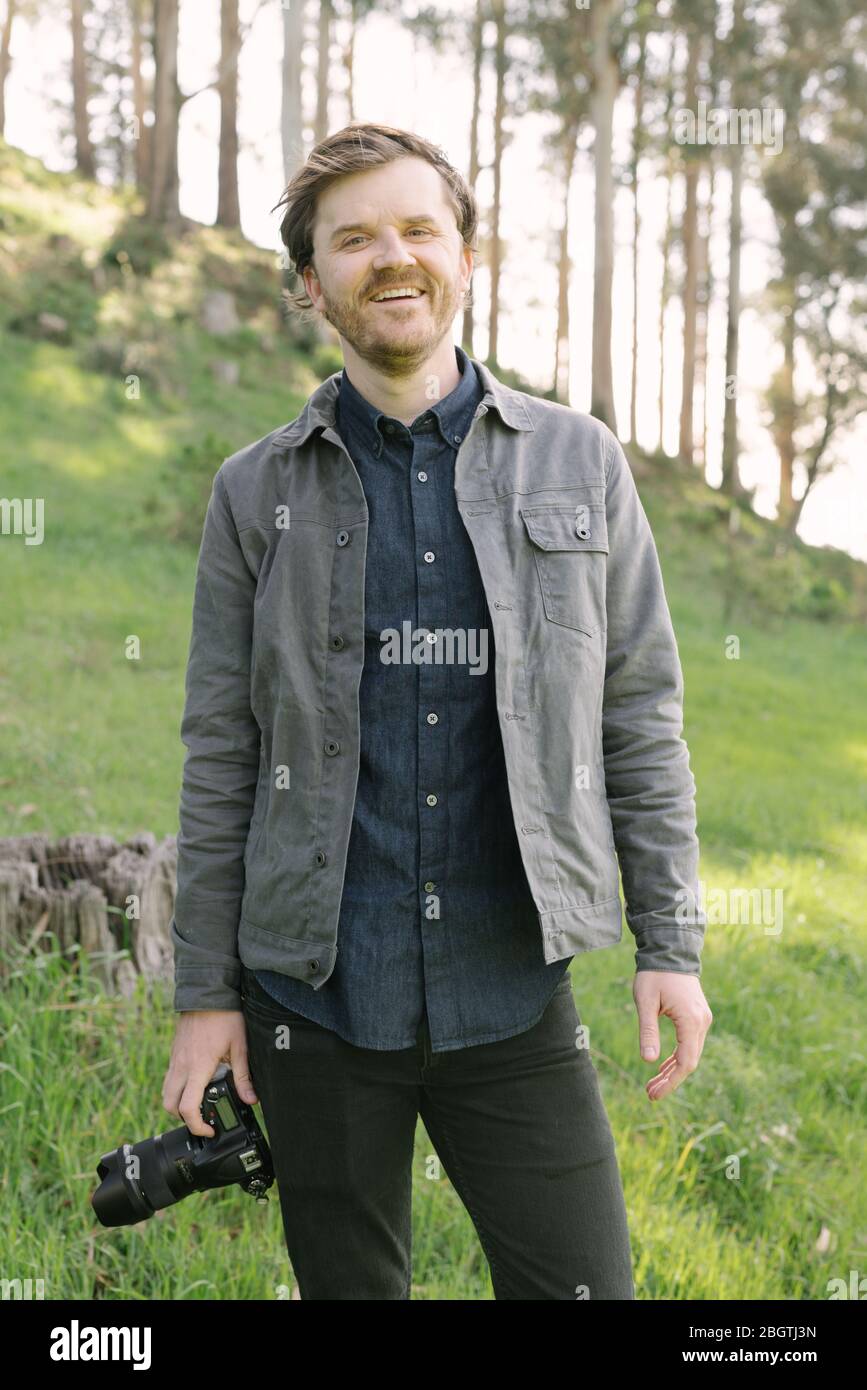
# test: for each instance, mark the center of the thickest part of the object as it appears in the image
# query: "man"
(395, 834)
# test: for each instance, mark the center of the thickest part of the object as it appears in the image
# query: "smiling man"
(385, 867)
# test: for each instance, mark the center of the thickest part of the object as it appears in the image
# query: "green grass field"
(747, 1183)
(779, 750)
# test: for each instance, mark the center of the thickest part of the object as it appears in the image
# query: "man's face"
(383, 228)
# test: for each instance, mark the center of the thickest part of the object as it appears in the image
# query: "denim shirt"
(436, 915)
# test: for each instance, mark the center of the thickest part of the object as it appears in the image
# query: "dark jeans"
(520, 1128)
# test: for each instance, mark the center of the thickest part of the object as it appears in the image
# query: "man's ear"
(311, 282)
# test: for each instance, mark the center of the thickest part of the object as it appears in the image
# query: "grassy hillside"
(90, 743)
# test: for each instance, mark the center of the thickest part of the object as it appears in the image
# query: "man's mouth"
(397, 295)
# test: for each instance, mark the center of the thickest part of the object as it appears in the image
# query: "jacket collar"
(320, 412)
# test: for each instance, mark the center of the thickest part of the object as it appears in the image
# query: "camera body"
(139, 1179)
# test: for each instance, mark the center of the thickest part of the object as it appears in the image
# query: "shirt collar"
(321, 408)
(360, 421)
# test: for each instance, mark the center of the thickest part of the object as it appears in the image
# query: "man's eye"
(359, 237)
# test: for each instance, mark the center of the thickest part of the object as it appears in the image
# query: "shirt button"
(429, 556)
(458, 438)
(422, 476)
(431, 637)
(431, 799)
(332, 747)
(429, 886)
(433, 718)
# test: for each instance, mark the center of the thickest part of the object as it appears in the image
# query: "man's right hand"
(203, 1039)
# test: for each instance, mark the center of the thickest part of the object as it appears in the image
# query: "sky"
(413, 96)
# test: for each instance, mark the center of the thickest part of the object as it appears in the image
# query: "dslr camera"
(138, 1179)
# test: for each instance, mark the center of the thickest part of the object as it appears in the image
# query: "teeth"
(395, 294)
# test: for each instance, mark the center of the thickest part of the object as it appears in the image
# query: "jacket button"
(332, 747)
(313, 966)
(343, 537)
(337, 642)
(582, 532)
(321, 856)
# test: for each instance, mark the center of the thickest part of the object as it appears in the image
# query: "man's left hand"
(681, 998)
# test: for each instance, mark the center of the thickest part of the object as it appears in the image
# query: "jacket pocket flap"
(567, 528)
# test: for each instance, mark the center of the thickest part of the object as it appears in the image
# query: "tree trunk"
(349, 59)
(83, 148)
(499, 9)
(691, 253)
(5, 58)
(291, 117)
(163, 191)
(784, 421)
(561, 347)
(667, 238)
(605, 83)
(228, 206)
(636, 232)
(139, 98)
(478, 59)
(730, 474)
(704, 290)
(320, 126)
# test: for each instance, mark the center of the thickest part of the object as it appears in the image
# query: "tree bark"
(605, 84)
(84, 161)
(478, 59)
(784, 421)
(349, 59)
(228, 205)
(730, 473)
(320, 126)
(291, 115)
(5, 58)
(561, 346)
(636, 233)
(139, 98)
(499, 9)
(163, 204)
(691, 253)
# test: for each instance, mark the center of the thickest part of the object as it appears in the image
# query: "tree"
(606, 82)
(80, 90)
(228, 206)
(5, 57)
(163, 186)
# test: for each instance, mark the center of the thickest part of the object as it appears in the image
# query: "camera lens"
(139, 1179)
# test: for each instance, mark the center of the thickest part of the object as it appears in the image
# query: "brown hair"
(360, 145)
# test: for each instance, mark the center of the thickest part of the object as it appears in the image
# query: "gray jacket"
(588, 680)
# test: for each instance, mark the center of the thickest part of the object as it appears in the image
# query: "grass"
(745, 1183)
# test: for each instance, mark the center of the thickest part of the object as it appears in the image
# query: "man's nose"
(393, 251)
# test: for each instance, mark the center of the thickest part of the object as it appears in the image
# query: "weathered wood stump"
(90, 892)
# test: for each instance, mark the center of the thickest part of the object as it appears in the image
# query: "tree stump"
(91, 893)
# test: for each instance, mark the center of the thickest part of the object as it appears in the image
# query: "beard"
(396, 341)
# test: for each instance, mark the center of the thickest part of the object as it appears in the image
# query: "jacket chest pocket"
(570, 548)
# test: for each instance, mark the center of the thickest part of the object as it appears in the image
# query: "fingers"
(240, 1072)
(192, 1099)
